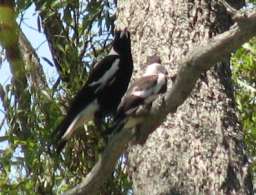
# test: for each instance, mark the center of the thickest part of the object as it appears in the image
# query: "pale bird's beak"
(166, 73)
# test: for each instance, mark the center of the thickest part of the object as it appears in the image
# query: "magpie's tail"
(58, 142)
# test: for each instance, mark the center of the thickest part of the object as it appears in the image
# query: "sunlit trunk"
(199, 149)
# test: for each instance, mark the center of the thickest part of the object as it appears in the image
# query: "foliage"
(77, 32)
(244, 75)
(252, 1)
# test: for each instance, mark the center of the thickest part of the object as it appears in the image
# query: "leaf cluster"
(78, 33)
(244, 77)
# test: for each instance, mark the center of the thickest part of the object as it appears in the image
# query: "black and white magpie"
(102, 93)
(140, 94)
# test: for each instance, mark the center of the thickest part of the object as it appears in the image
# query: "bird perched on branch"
(102, 93)
(141, 94)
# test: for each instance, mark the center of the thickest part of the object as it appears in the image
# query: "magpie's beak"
(124, 33)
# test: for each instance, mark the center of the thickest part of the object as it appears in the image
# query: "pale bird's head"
(154, 67)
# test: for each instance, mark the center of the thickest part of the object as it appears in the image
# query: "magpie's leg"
(99, 123)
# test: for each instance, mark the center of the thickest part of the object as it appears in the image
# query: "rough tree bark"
(199, 149)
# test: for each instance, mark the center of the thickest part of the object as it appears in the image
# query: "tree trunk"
(199, 149)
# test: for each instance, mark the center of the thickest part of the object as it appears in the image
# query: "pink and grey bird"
(142, 92)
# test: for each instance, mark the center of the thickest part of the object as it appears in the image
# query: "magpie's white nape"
(142, 93)
(107, 82)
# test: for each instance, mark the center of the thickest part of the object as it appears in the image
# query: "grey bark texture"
(199, 149)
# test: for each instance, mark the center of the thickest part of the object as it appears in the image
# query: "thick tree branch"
(205, 56)
(54, 32)
(197, 61)
(9, 34)
(63, 49)
(35, 70)
(105, 165)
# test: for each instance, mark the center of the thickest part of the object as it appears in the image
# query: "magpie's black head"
(122, 42)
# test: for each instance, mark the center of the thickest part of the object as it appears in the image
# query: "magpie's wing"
(103, 72)
(82, 104)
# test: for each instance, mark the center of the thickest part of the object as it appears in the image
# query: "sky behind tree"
(28, 24)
